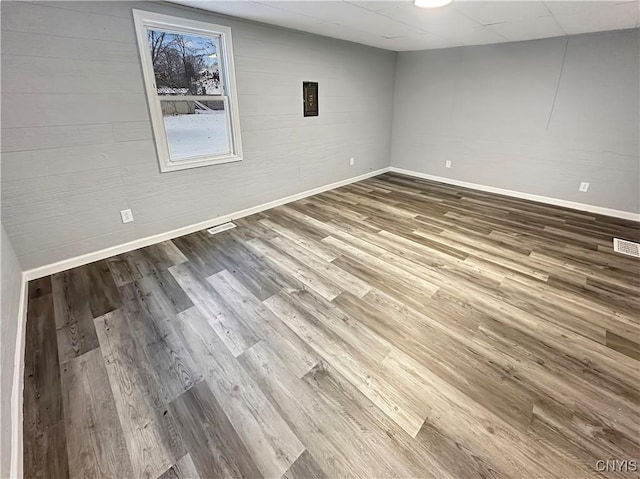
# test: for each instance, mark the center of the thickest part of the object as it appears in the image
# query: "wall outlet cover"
(584, 187)
(447, 164)
(127, 216)
(352, 161)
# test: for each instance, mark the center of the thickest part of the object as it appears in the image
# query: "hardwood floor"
(390, 328)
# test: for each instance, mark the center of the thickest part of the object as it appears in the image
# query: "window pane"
(184, 64)
(196, 128)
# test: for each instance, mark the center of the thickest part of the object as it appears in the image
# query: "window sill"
(197, 163)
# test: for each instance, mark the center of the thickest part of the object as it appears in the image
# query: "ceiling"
(400, 26)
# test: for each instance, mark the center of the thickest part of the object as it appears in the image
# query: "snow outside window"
(190, 82)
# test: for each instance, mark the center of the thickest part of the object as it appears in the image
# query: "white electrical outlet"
(584, 187)
(352, 161)
(127, 216)
(447, 164)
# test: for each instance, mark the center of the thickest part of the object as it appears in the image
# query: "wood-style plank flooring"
(394, 327)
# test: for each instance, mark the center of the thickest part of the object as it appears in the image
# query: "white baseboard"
(74, 262)
(17, 390)
(627, 215)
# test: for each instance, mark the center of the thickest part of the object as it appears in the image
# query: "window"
(190, 82)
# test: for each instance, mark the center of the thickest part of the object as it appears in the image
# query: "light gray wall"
(77, 144)
(10, 282)
(537, 117)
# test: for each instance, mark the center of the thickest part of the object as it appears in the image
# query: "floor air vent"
(221, 228)
(626, 247)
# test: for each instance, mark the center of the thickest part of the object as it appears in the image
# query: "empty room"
(320, 239)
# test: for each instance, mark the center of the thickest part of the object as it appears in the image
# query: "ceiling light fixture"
(431, 3)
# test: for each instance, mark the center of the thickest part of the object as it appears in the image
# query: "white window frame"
(150, 20)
